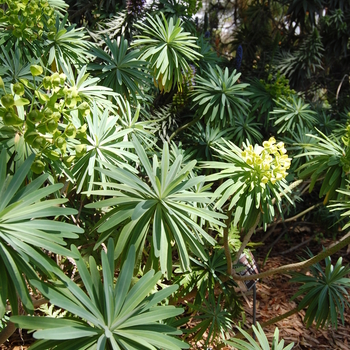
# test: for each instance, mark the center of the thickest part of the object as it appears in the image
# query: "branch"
(271, 321)
(226, 243)
(280, 317)
(275, 223)
(7, 332)
(36, 303)
(298, 245)
(10, 326)
(183, 127)
(246, 239)
(299, 214)
(298, 266)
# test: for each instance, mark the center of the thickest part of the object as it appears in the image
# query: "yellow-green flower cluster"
(27, 19)
(268, 162)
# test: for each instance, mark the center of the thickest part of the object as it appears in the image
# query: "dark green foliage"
(125, 155)
(213, 318)
(13, 66)
(120, 69)
(103, 145)
(246, 128)
(326, 121)
(261, 343)
(264, 94)
(305, 61)
(254, 34)
(25, 25)
(298, 142)
(65, 45)
(341, 205)
(291, 112)
(219, 98)
(303, 11)
(325, 293)
(91, 12)
(336, 33)
(165, 205)
(206, 275)
(202, 138)
(25, 231)
(167, 48)
(209, 56)
(329, 160)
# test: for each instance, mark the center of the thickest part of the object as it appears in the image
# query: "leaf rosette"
(255, 180)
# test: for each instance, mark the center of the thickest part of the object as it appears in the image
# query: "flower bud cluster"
(47, 126)
(27, 19)
(268, 162)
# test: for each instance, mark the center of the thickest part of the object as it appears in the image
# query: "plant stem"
(246, 239)
(183, 127)
(271, 321)
(226, 244)
(7, 332)
(252, 229)
(280, 317)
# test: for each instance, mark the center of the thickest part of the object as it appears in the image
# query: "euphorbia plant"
(25, 229)
(45, 115)
(162, 203)
(167, 48)
(109, 315)
(255, 179)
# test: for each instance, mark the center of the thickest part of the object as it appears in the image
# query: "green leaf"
(69, 332)
(16, 181)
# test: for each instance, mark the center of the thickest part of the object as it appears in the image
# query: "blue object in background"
(239, 56)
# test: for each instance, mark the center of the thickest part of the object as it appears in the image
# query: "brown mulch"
(274, 294)
(20, 340)
(273, 299)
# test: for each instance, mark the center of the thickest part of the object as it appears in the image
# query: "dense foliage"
(139, 154)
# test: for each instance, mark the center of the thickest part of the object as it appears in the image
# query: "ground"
(273, 299)
(274, 294)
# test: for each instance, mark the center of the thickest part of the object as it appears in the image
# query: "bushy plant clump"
(126, 203)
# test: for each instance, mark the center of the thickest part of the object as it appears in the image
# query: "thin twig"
(339, 87)
(183, 127)
(270, 322)
(293, 217)
(277, 239)
(298, 245)
(269, 232)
